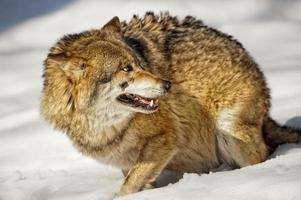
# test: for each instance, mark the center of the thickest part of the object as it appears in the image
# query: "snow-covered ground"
(38, 163)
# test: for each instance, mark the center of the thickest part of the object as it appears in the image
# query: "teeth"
(138, 101)
(151, 103)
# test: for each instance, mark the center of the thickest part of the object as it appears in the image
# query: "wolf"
(160, 93)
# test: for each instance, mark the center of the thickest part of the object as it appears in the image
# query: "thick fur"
(216, 112)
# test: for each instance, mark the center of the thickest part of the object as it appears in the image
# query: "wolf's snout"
(166, 85)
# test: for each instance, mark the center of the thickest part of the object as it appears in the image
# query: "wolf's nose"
(166, 85)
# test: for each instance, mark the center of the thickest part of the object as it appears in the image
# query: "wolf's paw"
(148, 186)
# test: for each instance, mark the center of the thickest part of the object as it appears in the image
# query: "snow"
(37, 162)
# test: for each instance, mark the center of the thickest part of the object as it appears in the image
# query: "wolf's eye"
(127, 68)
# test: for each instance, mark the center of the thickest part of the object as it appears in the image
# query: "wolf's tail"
(276, 134)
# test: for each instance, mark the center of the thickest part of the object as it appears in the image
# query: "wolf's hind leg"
(239, 138)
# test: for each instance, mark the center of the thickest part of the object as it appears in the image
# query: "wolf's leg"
(240, 138)
(153, 159)
(147, 186)
(150, 185)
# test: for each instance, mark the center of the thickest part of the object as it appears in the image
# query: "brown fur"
(215, 112)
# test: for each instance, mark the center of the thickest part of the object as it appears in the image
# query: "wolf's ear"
(73, 70)
(60, 58)
(113, 25)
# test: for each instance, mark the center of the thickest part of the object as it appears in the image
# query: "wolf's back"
(275, 134)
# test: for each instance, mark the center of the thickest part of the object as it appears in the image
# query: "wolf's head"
(97, 70)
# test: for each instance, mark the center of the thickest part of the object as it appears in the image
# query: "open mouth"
(137, 101)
